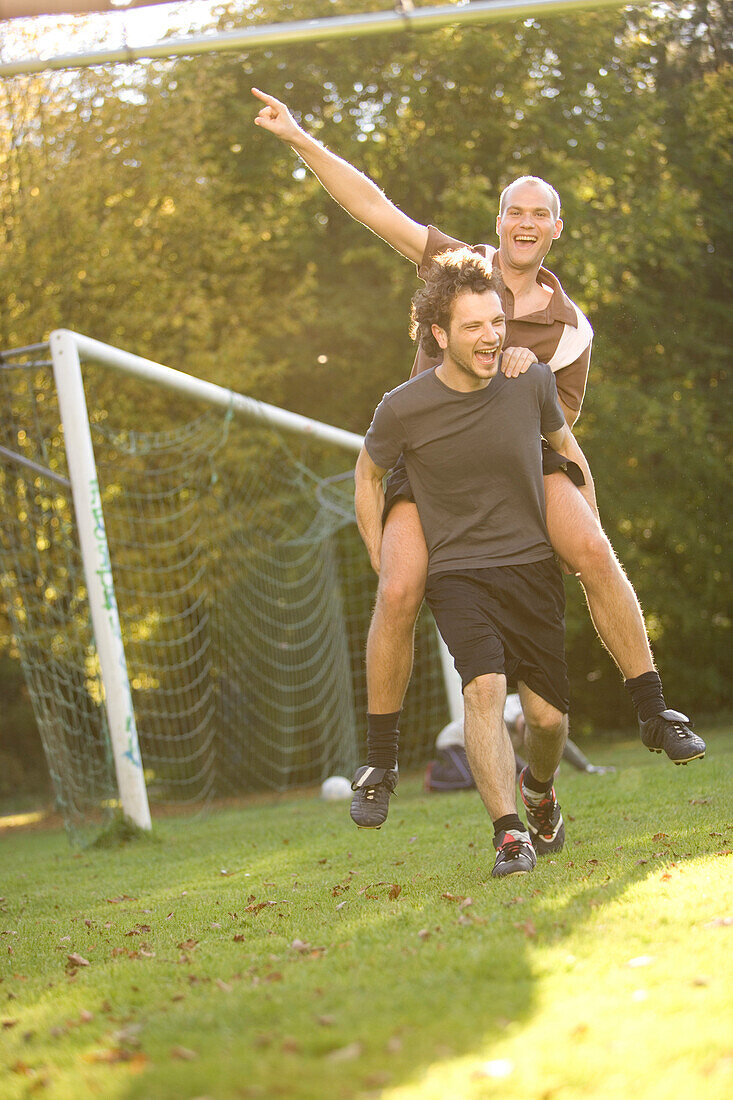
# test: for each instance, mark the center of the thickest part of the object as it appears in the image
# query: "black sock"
(539, 786)
(646, 695)
(382, 737)
(508, 821)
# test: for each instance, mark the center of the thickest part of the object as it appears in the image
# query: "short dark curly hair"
(450, 274)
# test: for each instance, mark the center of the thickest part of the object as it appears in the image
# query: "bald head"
(550, 195)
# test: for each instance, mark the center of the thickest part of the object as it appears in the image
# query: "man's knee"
(485, 691)
(592, 553)
(545, 720)
(400, 594)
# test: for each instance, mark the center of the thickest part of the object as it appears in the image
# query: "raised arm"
(369, 504)
(566, 444)
(356, 193)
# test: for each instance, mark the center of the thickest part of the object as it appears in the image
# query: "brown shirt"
(559, 335)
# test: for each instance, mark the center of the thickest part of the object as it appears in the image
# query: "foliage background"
(140, 205)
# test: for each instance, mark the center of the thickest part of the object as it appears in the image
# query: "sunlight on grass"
(274, 951)
(17, 821)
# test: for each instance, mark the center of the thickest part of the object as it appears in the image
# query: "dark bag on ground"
(450, 772)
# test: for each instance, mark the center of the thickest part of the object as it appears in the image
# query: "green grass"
(276, 951)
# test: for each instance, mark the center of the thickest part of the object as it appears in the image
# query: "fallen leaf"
(183, 1054)
(109, 1056)
(719, 922)
(239, 937)
(326, 1021)
(77, 960)
(300, 946)
(137, 1062)
(85, 1016)
(225, 987)
(345, 1054)
(187, 945)
(122, 897)
(454, 897)
(640, 960)
(526, 926)
(395, 891)
(128, 1036)
(9, 1023)
(423, 934)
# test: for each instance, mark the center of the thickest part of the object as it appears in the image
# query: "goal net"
(242, 587)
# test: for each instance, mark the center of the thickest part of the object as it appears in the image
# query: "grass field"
(276, 951)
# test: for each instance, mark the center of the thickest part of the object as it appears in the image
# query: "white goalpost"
(304, 601)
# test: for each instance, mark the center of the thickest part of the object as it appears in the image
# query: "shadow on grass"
(384, 987)
(342, 985)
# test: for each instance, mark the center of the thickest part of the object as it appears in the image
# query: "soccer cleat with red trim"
(671, 732)
(372, 788)
(514, 853)
(544, 818)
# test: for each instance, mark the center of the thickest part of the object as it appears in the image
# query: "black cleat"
(372, 788)
(514, 853)
(671, 732)
(544, 819)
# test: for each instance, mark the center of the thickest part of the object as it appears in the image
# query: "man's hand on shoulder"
(515, 361)
(276, 117)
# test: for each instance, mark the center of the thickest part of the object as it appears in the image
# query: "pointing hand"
(275, 117)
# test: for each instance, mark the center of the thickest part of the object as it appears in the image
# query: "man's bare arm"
(369, 503)
(566, 444)
(356, 193)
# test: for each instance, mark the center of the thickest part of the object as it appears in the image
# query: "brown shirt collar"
(559, 307)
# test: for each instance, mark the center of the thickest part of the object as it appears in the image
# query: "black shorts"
(397, 486)
(508, 619)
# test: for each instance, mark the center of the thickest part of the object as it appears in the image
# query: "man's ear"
(558, 229)
(441, 336)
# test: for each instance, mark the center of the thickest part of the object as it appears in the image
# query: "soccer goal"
(189, 601)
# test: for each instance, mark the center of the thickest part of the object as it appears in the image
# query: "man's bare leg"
(402, 575)
(545, 737)
(488, 745)
(578, 538)
(545, 734)
(491, 757)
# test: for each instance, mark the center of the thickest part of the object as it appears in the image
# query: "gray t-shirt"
(475, 464)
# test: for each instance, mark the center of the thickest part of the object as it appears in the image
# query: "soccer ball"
(336, 788)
